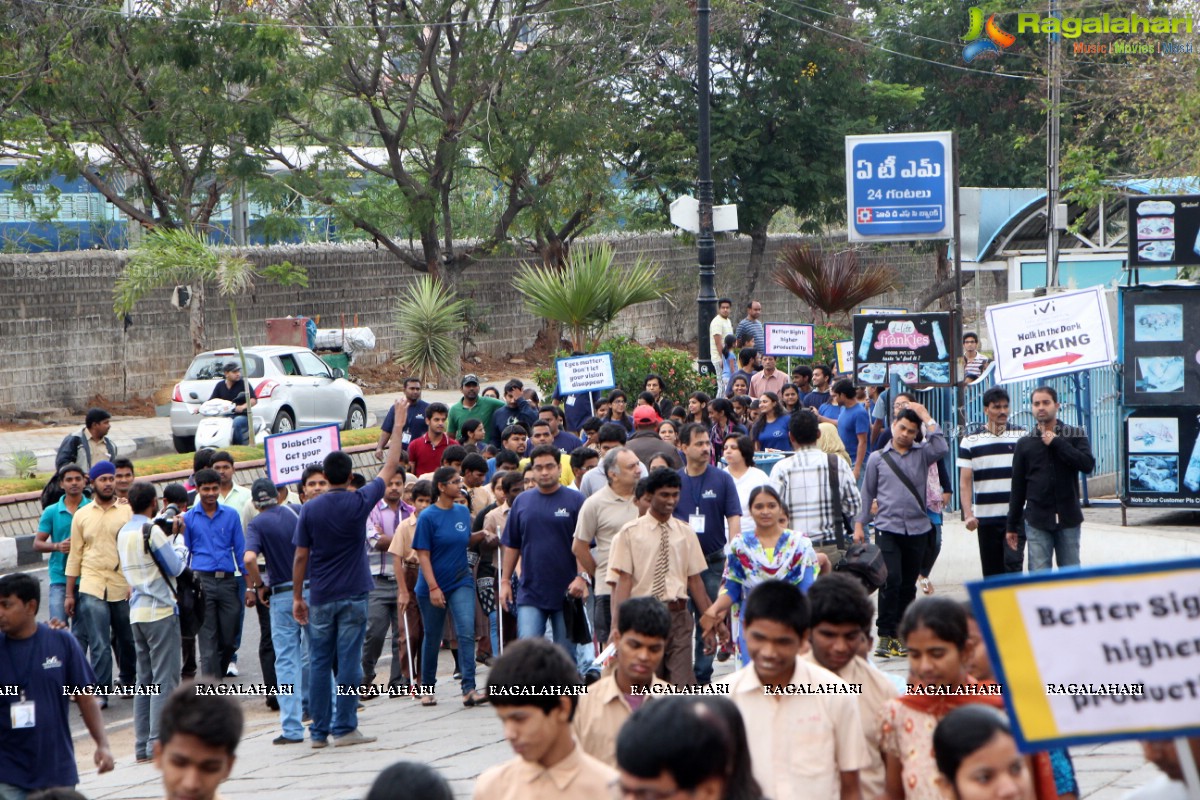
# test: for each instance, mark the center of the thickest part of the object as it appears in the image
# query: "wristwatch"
(586, 578)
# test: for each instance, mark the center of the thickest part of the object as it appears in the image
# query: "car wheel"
(356, 420)
(184, 444)
(283, 423)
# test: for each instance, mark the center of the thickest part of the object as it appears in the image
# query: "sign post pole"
(956, 320)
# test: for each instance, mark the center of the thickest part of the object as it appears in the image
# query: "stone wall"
(65, 344)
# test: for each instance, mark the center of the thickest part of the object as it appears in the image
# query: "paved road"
(462, 742)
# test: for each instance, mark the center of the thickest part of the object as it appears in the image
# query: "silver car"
(293, 388)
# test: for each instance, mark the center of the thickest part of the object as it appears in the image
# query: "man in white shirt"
(720, 327)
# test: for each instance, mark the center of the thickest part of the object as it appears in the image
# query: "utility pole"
(706, 301)
(1054, 83)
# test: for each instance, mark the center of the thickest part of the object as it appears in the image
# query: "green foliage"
(428, 319)
(588, 294)
(632, 362)
(824, 338)
(23, 464)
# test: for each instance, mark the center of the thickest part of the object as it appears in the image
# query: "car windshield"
(212, 365)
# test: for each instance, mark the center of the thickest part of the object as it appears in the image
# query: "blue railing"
(1090, 399)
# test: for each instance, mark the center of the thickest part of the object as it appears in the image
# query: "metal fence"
(1089, 399)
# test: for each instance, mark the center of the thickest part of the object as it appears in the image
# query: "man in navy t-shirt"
(48, 668)
(708, 501)
(415, 425)
(330, 554)
(539, 531)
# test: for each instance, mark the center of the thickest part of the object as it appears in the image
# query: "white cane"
(412, 676)
(588, 619)
(499, 606)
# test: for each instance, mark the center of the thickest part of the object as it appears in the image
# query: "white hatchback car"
(293, 388)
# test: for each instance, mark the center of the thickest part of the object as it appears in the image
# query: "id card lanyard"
(23, 713)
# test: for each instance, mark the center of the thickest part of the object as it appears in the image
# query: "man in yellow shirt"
(102, 596)
(641, 642)
(802, 721)
(533, 688)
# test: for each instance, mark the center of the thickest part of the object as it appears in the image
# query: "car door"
(298, 388)
(323, 399)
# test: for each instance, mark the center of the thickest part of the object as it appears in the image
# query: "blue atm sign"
(900, 186)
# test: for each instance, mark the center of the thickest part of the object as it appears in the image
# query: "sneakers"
(232, 670)
(286, 740)
(890, 646)
(353, 737)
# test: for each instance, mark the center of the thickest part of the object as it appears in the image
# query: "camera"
(166, 519)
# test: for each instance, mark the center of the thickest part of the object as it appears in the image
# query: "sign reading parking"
(899, 186)
(1096, 655)
(289, 453)
(581, 374)
(1051, 335)
(784, 339)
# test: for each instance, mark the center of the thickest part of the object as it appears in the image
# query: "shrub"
(632, 362)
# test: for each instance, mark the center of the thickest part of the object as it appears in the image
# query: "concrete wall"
(65, 344)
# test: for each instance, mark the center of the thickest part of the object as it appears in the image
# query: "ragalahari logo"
(996, 41)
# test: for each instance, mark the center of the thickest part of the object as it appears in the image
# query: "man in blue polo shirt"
(539, 532)
(54, 534)
(213, 535)
(331, 555)
(36, 747)
(708, 501)
(271, 534)
(415, 425)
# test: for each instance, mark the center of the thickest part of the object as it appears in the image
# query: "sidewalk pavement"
(460, 743)
(146, 437)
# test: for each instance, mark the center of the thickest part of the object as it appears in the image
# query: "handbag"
(840, 523)
(865, 562)
(576, 621)
(188, 592)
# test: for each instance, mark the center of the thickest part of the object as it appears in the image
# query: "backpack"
(52, 492)
(188, 592)
(865, 562)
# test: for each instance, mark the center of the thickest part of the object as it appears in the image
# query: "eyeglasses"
(619, 792)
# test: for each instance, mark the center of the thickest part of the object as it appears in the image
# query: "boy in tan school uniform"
(641, 642)
(659, 556)
(533, 689)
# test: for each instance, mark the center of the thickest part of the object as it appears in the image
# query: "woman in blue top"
(770, 431)
(445, 583)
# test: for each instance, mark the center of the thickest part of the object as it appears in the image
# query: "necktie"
(659, 588)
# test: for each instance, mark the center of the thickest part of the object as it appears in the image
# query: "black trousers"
(266, 645)
(903, 556)
(222, 609)
(995, 557)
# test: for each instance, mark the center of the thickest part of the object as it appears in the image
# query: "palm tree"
(832, 284)
(588, 293)
(171, 256)
(429, 318)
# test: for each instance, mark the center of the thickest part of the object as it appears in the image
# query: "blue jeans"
(96, 621)
(241, 430)
(712, 584)
(460, 603)
(336, 628)
(291, 663)
(1062, 544)
(494, 629)
(56, 598)
(531, 624)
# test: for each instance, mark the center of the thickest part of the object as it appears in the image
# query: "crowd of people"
(595, 550)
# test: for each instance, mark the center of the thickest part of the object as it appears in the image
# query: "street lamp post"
(706, 301)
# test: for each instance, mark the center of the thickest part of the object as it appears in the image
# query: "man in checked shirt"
(381, 603)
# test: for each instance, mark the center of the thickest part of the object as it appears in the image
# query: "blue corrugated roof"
(1184, 185)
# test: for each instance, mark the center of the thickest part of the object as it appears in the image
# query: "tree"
(588, 294)
(785, 92)
(428, 318)
(154, 111)
(484, 114)
(169, 256)
(833, 284)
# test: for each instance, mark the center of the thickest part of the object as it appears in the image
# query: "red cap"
(646, 415)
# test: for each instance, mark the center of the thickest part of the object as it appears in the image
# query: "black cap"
(264, 493)
(472, 378)
(230, 366)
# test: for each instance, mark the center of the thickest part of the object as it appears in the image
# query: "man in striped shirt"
(985, 460)
(152, 613)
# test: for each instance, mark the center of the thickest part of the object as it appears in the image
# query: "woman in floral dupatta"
(934, 630)
(770, 552)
